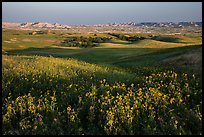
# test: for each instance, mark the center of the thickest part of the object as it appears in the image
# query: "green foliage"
(46, 95)
(122, 93)
(166, 38)
(83, 42)
(131, 38)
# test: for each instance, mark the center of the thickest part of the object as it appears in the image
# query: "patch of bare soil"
(26, 40)
(53, 41)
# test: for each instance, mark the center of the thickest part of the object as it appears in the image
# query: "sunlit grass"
(117, 88)
(47, 95)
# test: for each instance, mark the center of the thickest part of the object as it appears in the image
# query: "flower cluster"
(45, 95)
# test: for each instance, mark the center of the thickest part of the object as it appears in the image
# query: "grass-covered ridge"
(46, 95)
(121, 86)
(21, 39)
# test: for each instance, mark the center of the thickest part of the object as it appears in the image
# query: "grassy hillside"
(123, 57)
(46, 95)
(149, 86)
(20, 39)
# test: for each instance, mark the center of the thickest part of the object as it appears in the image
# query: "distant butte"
(39, 25)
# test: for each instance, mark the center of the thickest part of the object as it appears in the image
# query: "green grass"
(124, 57)
(116, 88)
(50, 39)
(47, 95)
(93, 55)
(20, 43)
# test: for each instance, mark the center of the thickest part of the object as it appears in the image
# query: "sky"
(89, 13)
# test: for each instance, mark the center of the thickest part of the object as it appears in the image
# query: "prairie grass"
(118, 88)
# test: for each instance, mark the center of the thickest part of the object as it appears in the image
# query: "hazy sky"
(100, 12)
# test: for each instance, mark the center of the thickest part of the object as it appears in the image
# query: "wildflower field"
(71, 96)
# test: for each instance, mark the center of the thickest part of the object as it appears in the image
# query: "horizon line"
(100, 23)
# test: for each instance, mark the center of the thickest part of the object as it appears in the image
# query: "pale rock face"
(39, 25)
(11, 25)
(31, 25)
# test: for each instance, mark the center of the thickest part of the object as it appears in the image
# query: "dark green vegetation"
(83, 42)
(166, 38)
(121, 86)
(132, 38)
